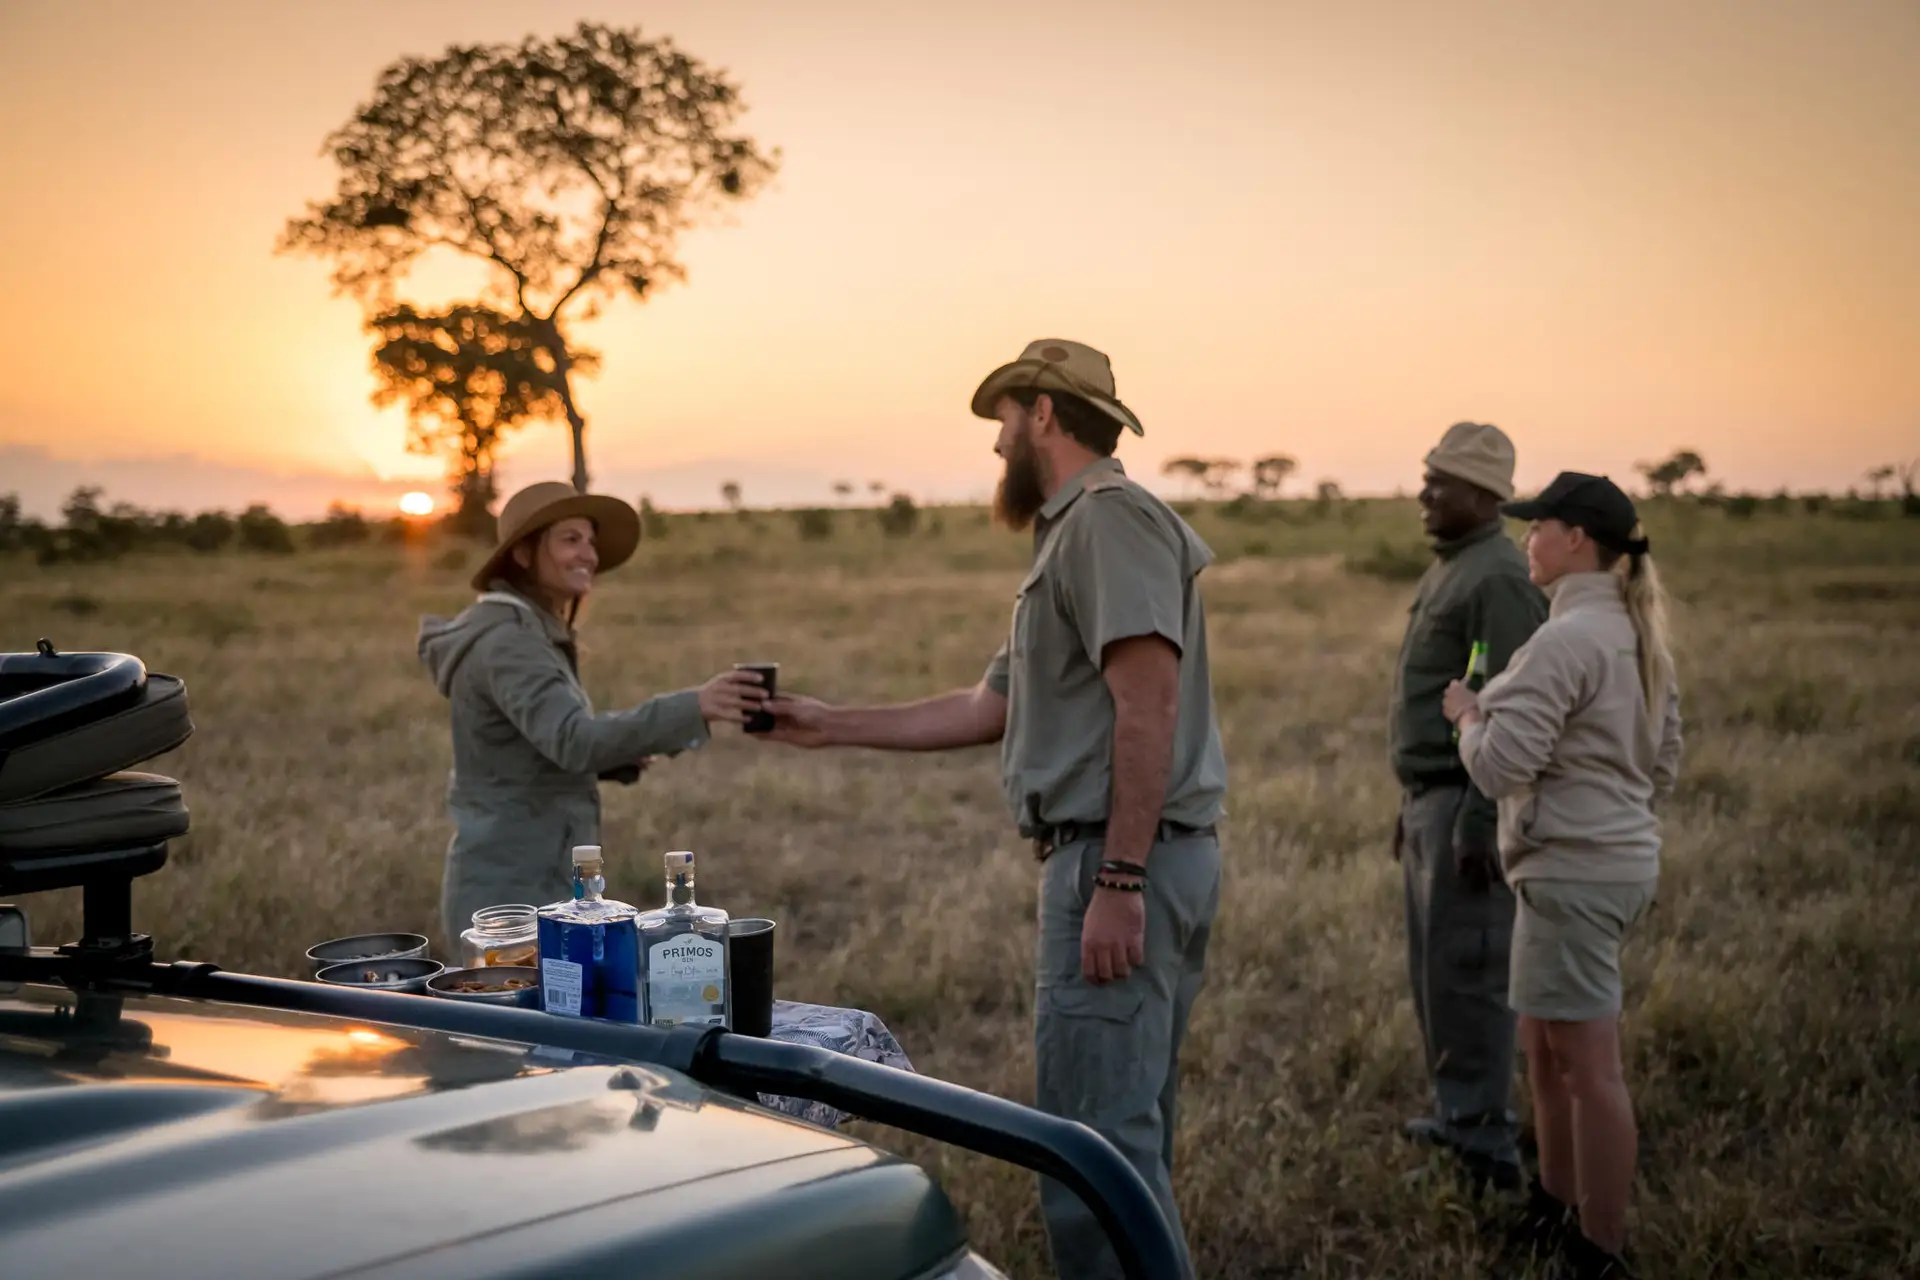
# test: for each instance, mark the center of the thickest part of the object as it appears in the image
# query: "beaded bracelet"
(1124, 886)
(1124, 868)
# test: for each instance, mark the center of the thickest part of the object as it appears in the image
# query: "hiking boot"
(1544, 1223)
(1480, 1173)
(1484, 1172)
(1582, 1259)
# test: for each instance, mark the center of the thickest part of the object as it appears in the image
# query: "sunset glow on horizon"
(1616, 230)
(416, 504)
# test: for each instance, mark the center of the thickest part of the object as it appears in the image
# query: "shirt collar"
(1581, 590)
(1448, 548)
(1076, 485)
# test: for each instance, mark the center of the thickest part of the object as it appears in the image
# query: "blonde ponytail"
(1646, 602)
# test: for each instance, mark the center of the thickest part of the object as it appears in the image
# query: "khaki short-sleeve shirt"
(1111, 561)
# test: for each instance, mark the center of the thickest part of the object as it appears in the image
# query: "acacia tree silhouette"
(568, 166)
(468, 376)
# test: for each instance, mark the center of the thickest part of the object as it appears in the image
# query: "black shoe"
(1582, 1259)
(1544, 1224)
(1487, 1172)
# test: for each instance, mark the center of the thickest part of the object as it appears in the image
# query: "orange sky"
(1613, 228)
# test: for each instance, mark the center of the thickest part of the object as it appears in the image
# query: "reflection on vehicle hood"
(337, 1145)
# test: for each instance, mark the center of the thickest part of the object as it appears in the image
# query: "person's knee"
(1586, 1055)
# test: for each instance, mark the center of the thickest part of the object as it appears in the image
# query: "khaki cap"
(1055, 364)
(1478, 453)
(616, 525)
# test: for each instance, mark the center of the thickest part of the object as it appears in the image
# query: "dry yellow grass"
(1773, 1036)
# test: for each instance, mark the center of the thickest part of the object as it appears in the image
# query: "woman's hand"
(732, 696)
(798, 721)
(1460, 704)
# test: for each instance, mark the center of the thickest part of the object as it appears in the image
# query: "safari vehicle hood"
(162, 1137)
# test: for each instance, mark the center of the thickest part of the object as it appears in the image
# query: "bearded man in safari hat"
(1459, 910)
(1110, 760)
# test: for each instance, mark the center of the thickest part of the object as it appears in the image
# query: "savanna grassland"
(1773, 1030)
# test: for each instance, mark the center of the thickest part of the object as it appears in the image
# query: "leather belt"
(1047, 839)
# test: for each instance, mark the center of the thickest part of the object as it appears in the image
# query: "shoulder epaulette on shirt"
(1105, 480)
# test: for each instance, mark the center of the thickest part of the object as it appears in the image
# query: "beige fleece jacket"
(1566, 749)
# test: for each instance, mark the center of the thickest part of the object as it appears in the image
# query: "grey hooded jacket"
(528, 751)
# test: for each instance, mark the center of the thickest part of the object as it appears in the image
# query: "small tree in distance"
(730, 494)
(1665, 477)
(1190, 471)
(1270, 473)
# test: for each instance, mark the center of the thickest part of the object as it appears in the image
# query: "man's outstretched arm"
(964, 718)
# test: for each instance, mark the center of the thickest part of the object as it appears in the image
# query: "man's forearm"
(1142, 760)
(965, 718)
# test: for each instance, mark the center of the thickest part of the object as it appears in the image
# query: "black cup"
(752, 944)
(761, 721)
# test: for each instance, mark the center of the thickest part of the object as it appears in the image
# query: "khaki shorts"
(1566, 946)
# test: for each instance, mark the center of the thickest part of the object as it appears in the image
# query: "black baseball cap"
(1593, 503)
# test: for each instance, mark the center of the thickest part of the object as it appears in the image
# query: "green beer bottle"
(1476, 677)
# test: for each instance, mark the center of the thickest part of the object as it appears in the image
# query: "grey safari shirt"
(1111, 561)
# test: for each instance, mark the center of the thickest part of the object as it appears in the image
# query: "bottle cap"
(585, 853)
(678, 859)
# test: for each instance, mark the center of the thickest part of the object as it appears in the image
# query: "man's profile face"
(1022, 490)
(1449, 506)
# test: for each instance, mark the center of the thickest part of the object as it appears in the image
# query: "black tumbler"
(761, 721)
(752, 945)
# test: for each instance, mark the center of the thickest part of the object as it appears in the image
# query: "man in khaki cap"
(1459, 910)
(1110, 759)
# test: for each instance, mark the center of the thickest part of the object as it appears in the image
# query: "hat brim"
(1037, 375)
(1529, 510)
(616, 529)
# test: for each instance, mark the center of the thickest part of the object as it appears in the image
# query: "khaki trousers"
(1458, 943)
(1109, 1056)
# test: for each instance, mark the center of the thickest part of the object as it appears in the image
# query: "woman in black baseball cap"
(1578, 739)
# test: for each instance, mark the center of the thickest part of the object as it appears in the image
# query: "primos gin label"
(687, 980)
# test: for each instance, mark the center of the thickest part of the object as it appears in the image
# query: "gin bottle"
(686, 959)
(587, 948)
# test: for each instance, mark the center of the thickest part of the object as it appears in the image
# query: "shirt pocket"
(1029, 605)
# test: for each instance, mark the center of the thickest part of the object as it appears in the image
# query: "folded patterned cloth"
(854, 1032)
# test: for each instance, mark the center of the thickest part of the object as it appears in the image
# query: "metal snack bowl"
(368, 947)
(407, 974)
(527, 997)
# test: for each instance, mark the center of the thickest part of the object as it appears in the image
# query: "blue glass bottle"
(589, 951)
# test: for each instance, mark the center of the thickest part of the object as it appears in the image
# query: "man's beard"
(1022, 490)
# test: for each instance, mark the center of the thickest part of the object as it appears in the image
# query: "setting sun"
(416, 503)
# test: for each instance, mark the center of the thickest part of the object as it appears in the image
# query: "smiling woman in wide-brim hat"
(539, 506)
(529, 750)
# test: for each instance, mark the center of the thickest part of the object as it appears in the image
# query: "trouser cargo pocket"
(1098, 1060)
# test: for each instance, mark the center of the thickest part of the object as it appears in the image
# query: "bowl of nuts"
(407, 974)
(366, 946)
(510, 984)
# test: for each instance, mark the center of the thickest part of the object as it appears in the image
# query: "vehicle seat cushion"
(101, 813)
(153, 726)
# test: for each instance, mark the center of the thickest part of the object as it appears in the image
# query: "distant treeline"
(91, 529)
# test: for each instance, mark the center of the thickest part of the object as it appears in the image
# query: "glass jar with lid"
(503, 935)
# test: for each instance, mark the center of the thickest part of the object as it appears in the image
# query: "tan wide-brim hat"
(616, 525)
(1055, 364)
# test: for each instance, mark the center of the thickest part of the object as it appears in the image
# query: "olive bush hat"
(1055, 364)
(616, 525)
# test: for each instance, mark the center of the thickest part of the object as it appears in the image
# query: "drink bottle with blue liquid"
(589, 951)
